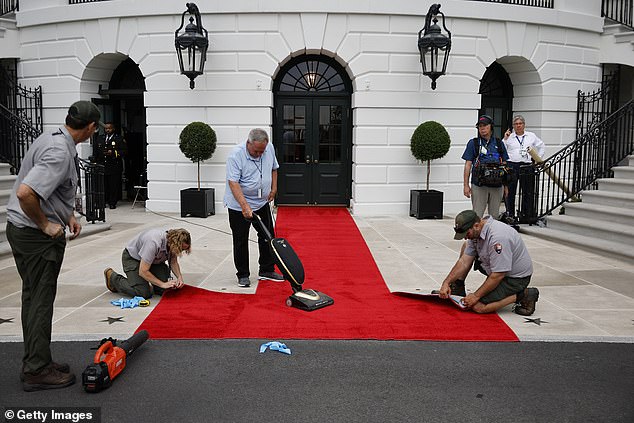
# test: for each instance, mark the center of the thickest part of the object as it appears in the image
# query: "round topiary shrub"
(430, 141)
(197, 141)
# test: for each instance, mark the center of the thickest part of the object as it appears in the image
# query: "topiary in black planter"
(429, 141)
(197, 141)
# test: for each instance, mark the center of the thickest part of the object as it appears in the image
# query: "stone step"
(600, 212)
(624, 172)
(5, 169)
(594, 228)
(8, 22)
(630, 160)
(614, 28)
(87, 229)
(4, 196)
(624, 37)
(613, 199)
(600, 246)
(7, 181)
(3, 214)
(616, 185)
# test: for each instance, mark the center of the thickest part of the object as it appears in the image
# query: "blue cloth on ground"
(275, 346)
(127, 303)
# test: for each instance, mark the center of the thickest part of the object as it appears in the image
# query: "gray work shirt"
(149, 246)
(501, 249)
(49, 168)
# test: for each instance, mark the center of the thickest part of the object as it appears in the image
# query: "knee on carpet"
(144, 291)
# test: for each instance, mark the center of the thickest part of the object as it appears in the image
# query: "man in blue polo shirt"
(251, 185)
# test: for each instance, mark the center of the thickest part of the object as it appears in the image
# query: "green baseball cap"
(464, 221)
(86, 111)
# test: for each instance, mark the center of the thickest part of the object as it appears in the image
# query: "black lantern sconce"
(432, 44)
(195, 42)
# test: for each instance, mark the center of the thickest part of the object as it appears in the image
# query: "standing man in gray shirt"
(504, 259)
(40, 208)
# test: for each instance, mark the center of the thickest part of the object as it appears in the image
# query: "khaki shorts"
(506, 288)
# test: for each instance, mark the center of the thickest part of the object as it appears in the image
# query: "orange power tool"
(110, 360)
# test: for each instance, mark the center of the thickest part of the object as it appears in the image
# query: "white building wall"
(550, 55)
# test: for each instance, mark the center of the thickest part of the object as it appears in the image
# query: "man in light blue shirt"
(251, 185)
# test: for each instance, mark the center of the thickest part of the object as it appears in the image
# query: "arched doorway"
(497, 97)
(122, 103)
(312, 131)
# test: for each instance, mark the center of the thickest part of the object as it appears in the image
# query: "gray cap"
(86, 111)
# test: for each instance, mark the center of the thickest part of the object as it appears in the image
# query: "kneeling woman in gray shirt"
(148, 262)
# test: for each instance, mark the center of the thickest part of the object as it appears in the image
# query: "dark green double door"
(313, 147)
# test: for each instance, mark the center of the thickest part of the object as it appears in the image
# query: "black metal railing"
(84, 1)
(535, 3)
(620, 11)
(596, 106)
(92, 189)
(16, 135)
(577, 166)
(20, 118)
(8, 6)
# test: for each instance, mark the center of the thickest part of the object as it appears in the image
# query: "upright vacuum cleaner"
(293, 271)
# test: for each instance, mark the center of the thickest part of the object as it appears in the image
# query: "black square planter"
(425, 204)
(197, 203)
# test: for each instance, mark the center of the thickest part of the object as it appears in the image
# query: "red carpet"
(337, 262)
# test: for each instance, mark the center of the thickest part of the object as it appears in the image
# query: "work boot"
(526, 305)
(457, 288)
(107, 275)
(47, 378)
(61, 367)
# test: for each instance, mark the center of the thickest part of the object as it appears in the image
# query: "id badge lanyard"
(259, 168)
(483, 146)
(523, 151)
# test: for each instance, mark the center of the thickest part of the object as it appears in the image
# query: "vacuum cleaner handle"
(260, 226)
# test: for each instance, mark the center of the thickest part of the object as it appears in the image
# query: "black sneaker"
(457, 288)
(270, 276)
(526, 306)
(244, 282)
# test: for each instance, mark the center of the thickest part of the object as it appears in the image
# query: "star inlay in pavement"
(538, 321)
(111, 320)
(6, 320)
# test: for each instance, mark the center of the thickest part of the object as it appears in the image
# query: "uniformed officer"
(504, 259)
(39, 210)
(109, 151)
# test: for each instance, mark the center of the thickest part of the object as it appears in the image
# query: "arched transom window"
(312, 76)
